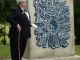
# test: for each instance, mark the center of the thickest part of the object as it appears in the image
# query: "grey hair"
(18, 1)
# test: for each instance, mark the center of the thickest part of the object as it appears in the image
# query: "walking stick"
(19, 44)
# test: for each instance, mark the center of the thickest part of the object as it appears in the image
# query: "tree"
(5, 6)
(77, 20)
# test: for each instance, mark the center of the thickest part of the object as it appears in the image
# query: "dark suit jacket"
(16, 17)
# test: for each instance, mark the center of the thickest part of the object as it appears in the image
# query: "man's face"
(23, 4)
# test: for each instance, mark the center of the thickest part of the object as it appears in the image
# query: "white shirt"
(27, 14)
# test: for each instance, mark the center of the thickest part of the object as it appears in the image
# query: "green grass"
(77, 49)
(5, 51)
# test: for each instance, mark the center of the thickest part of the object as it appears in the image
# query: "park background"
(6, 5)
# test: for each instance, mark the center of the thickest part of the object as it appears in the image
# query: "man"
(20, 21)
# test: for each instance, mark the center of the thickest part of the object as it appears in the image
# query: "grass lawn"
(77, 49)
(5, 51)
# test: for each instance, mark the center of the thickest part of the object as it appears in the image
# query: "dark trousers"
(14, 48)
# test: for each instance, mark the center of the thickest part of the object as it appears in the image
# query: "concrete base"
(59, 58)
(76, 57)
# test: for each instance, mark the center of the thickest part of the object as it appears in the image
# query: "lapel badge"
(22, 12)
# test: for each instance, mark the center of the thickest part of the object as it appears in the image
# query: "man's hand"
(31, 24)
(18, 27)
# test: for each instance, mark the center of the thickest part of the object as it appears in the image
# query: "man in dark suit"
(20, 21)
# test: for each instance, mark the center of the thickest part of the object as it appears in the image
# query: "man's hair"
(18, 1)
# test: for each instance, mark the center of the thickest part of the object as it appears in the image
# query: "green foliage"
(2, 42)
(5, 6)
(5, 52)
(2, 34)
(1, 31)
(77, 21)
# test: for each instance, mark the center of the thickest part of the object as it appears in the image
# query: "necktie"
(25, 13)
